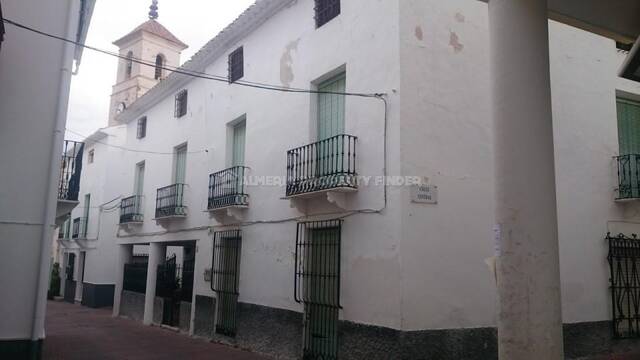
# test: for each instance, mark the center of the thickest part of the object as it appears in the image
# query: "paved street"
(77, 332)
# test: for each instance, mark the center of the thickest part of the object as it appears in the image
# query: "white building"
(322, 265)
(35, 73)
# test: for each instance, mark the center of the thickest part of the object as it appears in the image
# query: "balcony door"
(239, 139)
(138, 185)
(330, 120)
(629, 142)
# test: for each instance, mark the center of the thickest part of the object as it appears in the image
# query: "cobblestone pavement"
(77, 332)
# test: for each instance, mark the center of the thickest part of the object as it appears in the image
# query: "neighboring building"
(41, 171)
(291, 244)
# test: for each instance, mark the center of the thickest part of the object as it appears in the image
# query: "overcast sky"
(193, 21)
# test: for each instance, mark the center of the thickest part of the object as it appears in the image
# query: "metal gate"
(624, 265)
(317, 286)
(225, 266)
(168, 288)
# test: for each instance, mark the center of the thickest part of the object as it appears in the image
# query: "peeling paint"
(418, 32)
(286, 63)
(455, 42)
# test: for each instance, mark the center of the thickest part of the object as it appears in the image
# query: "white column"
(530, 319)
(63, 272)
(125, 255)
(157, 253)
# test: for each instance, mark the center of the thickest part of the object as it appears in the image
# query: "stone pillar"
(157, 254)
(530, 319)
(125, 256)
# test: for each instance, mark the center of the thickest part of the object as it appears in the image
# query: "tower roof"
(154, 27)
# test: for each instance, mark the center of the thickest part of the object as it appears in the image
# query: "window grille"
(317, 286)
(236, 65)
(326, 10)
(225, 266)
(624, 265)
(181, 104)
(142, 128)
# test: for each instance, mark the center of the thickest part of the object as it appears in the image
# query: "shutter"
(628, 126)
(181, 165)
(331, 108)
(239, 138)
(139, 182)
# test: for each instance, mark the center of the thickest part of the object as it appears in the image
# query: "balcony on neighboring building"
(170, 202)
(322, 166)
(131, 210)
(79, 229)
(227, 189)
(628, 177)
(69, 182)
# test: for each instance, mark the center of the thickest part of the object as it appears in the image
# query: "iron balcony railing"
(226, 188)
(79, 228)
(131, 210)
(628, 176)
(322, 165)
(70, 170)
(170, 201)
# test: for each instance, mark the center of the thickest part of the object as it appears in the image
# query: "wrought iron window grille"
(135, 276)
(131, 209)
(226, 188)
(70, 170)
(317, 285)
(325, 10)
(181, 103)
(624, 283)
(170, 201)
(236, 65)
(628, 176)
(322, 165)
(225, 267)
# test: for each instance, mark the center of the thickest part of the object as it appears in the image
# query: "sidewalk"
(77, 332)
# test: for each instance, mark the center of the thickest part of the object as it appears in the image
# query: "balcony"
(226, 189)
(322, 166)
(69, 182)
(170, 202)
(628, 177)
(79, 228)
(131, 210)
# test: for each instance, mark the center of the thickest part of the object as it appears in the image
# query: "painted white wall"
(415, 266)
(30, 71)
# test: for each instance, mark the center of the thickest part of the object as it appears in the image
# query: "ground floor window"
(225, 268)
(317, 286)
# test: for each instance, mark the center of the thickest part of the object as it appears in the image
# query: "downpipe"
(40, 303)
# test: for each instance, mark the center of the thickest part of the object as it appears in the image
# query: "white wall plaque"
(425, 194)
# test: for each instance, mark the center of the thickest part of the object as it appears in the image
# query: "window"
(629, 143)
(180, 164)
(159, 66)
(326, 10)
(236, 65)
(129, 64)
(239, 135)
(91, 156)
(181, 104)
(142, 127)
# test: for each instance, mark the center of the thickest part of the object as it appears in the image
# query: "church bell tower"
(152, 44)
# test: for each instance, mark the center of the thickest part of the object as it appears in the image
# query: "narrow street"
(77, 332)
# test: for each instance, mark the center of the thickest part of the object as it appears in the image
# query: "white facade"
(35, 72)
(404, 265)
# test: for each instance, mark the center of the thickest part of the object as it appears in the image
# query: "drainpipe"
(37, 327)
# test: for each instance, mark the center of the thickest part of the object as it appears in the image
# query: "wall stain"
(286, 63)
(418, 32)
(459, 17)
(455, 42)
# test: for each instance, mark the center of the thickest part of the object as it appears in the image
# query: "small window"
(91, 156)
(236, 65)
(181, 104)
(326, 10)
(129, 64)
(159, 66)
(142, 127)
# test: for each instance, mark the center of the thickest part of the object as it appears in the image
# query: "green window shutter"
(180, 165)
(331, 107)
(239, 138)
(628, 126)
(139, 181)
